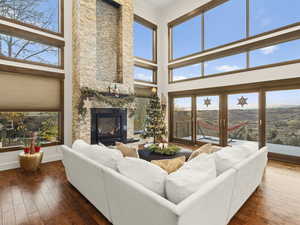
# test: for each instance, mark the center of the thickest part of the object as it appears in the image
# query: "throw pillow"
(147, 174)
(170, 165)
(227, 157)
(207, 148)
(127, 151)
(190, 177)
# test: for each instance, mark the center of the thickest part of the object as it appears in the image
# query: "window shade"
(26, 92)
(143, 92)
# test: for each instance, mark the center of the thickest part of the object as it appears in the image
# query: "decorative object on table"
(38, 145)
(26, 143)
(242, 101)
(32, 142)
(207, 102)
(30, 162)
(170, 165)
(164, 149)
(155, 126)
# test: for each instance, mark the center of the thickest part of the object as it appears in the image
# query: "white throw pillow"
(147, 174)
(249, 148)
(105, 156)
(227, 157)
(190, 177)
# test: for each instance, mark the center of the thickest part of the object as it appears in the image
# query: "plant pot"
(26, 150)
(37, 148)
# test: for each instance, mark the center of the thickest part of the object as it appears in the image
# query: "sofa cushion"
(227, 157)
(81, 146)
(190, 177)
(170, 165)
(127, 151)
(105, 156)
(145, 173)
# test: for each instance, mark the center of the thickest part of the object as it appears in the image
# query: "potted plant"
(38, 145)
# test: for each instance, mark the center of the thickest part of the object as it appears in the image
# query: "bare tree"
(36, 12)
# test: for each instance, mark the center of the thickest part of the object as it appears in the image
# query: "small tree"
(155, 120)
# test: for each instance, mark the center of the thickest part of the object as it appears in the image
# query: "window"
(144, 74)
(274, 54)
(187, 72)
(44, 14)
(225, 23)
(266, 15)
(140, 114)
(226, 64)
(186, 38)
(182, 118)
(21, 49)
(207, 123)
(283, 122)
(17, 127)
(144, 39)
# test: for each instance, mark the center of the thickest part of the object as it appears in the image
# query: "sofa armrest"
(211, 204)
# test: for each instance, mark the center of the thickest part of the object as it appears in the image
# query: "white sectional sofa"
(124, 202)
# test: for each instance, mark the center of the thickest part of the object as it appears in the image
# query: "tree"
(32, 12)
(155, 120)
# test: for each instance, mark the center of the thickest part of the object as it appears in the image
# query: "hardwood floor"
(46, 198)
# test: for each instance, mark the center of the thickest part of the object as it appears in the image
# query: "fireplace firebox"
(108, 125)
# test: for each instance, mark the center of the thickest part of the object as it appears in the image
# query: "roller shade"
(143, 92)
(26, 92)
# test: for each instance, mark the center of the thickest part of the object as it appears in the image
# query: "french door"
(265, 115)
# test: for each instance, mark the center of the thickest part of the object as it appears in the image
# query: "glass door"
(243, 119)
(207, 119)
(283, 122)
(182, 118)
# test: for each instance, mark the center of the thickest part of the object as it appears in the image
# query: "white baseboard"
(16, 164)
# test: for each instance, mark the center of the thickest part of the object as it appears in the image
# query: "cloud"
(142, 76)
(227, 68)
(269, 50)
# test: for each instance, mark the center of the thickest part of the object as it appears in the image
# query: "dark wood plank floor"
(47, 198)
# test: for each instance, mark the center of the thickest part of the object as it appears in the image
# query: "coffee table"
(149, 156)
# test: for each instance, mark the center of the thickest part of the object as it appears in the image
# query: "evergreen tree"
(155, 120)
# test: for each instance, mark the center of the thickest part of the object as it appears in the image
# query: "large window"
(182, 118)
(226, 64)
(207, 123)
(266, 15)
(187, 38)
(16, 128)
(140, 113)
(145, 73)
(275, 54)
(283, 122)
(187, 72)
(44, 14)
(145, 46)
(225, 23)
(26, 50)
(214, 25)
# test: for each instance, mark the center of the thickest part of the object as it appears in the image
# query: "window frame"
(61, 124)
(28, 25)
(206, 7)
(31, 36)
(148, 67)
(238, 50)
(153, 27)
(260, 87)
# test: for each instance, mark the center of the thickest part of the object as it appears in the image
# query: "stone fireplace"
(102, 58)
